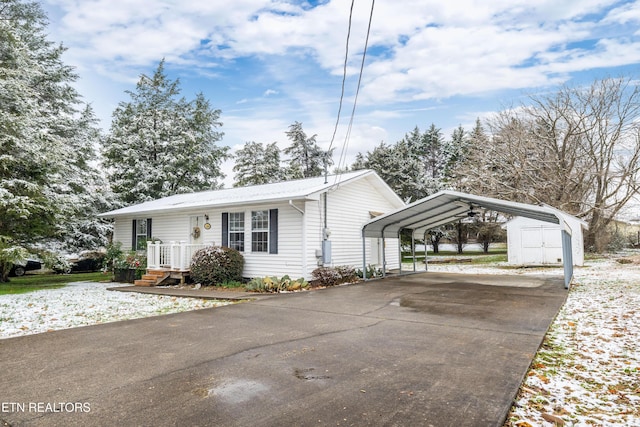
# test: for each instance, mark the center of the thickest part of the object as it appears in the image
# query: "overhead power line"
(345, 143)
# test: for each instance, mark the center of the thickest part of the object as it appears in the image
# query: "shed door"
(552, 241)
(541, 245)
(532, 245)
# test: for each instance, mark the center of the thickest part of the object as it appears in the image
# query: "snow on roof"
(287, 190)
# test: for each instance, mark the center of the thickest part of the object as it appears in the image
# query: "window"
(264, 230)
(141, 233)
(260, 231)
(236, 231)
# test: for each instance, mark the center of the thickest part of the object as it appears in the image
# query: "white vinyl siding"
(299, 236)
(349, 209)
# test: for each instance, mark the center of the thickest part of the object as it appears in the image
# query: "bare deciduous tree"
(577, 150)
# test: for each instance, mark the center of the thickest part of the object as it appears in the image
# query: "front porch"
(168, 261)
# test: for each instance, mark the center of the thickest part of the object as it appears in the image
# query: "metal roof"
(309, 189)
(449, 206)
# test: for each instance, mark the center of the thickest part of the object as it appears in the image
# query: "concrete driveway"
(437, 349)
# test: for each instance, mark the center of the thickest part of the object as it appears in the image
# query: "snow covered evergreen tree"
(256, 164)
(306, 158)
(414, 166)
(432, 154)
(160, 144)
(455, 152)
(46, 133)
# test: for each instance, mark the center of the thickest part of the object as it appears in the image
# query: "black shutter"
(149, 229)
(273, 231)
(225, 229)
(134, 235)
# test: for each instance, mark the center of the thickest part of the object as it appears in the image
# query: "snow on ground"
(587, 371)
(82, 304)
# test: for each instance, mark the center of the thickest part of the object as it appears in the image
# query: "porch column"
(174, 253)
(156, 254)
(182, 255)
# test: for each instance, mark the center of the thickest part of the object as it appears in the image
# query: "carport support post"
(384, 256)
(400, 248)
(364, 256)
(413, 250)
(426, 251)
(567, 256)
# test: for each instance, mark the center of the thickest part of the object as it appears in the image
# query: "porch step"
(144, 282)
(152, 278)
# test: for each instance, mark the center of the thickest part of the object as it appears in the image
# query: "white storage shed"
(536, 243)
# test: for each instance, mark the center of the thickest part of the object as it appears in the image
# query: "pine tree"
(86, 189)
(431, 155)
(45, 135)
(160, 145)
(455, 152)
(256, 164)
(306, 158)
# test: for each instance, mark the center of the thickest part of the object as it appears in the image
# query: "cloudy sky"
(266, 64)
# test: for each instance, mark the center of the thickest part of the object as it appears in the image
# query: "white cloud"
(436, 50)
(420, 53)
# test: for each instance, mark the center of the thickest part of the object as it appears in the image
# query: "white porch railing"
(173, 255)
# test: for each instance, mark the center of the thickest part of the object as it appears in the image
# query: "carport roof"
(448, 206)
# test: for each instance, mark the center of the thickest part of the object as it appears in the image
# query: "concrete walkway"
(203, 293)
(435, 349)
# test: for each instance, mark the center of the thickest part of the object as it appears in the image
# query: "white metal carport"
(449, 206)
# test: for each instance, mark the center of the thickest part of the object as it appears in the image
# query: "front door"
(196, 229)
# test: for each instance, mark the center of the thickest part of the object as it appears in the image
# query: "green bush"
(372, 272)
(56, 262)
(332, 276)
(113, 256)
(274, 284)
(216, 264)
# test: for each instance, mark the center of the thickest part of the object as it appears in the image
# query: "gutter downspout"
(295, 207)
(304, 238)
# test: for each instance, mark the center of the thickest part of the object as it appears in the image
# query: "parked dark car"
(22, 267)
(88, 261)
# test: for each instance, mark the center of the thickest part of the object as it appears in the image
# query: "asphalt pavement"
(428, 349)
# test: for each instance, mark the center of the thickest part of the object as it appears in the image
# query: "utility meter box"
(326, 251)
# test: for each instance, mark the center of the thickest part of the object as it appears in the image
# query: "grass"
(476, 257)
(36, 282)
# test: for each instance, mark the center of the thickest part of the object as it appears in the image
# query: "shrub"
(372, 272)
(216, 264)
(113, 256)
(331, 276)
(274, 284)
(56, 262)
(89, 261)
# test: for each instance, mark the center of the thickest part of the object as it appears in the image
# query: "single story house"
(531, 242)
(282, 228)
